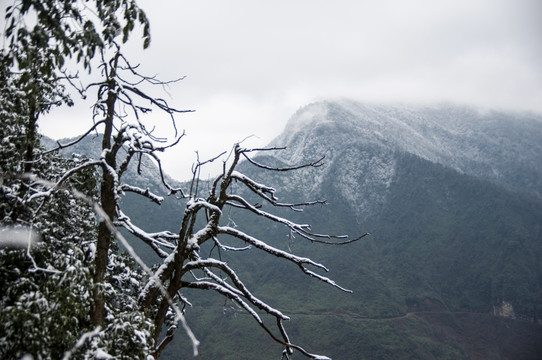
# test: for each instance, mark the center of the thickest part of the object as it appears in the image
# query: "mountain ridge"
(454, 209)
(485, 144)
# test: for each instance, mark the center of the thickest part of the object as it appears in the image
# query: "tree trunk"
(107, 200)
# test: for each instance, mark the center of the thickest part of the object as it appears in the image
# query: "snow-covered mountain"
(361, 142)
(144, 173)
(452, 196)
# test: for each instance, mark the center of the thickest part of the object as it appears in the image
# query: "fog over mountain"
(452, 198)
(361, 142)
(503, 147)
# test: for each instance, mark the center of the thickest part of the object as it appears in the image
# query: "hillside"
(502, 147)
(451, 196)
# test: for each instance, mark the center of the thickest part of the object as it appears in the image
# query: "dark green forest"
(443, 252)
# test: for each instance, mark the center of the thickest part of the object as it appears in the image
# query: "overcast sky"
(249, 65)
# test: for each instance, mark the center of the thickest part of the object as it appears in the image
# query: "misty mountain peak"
(492, 145)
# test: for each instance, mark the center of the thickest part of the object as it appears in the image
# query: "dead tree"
(122, 102)
(70, 29)
(185, 260)
(126, 139)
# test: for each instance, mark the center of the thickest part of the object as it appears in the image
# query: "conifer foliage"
(47, 284)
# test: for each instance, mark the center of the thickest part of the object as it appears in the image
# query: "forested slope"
(455, 234)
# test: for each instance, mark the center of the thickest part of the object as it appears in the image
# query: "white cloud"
(250, 64)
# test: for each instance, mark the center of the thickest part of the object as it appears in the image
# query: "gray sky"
(251, 64)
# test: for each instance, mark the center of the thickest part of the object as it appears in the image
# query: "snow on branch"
(144, 192)
(228, 248)
(154, 240)
(263, 191)
(153, 285)
(268, 248)
(194, 205)
(301, 229)
(322, 278)
(206, 263)
(60, 182)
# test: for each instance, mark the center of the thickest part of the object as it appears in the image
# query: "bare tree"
(125, 138)
(185, 267)
(121, 112)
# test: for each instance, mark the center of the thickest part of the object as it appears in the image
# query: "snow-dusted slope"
(361, 141)
(148, 176)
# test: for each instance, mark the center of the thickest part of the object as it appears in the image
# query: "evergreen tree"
(46, 286)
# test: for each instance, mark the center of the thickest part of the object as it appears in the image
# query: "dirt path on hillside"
(350, 315)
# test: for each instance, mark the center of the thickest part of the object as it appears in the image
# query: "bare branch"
(274, 148)
(143, 192)
(150, 79)
(340, 242)
(267, 248)
(196, 172)
(316, 163)
(160, 103)
(201, 264)
(171, 189)
(63, 146)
